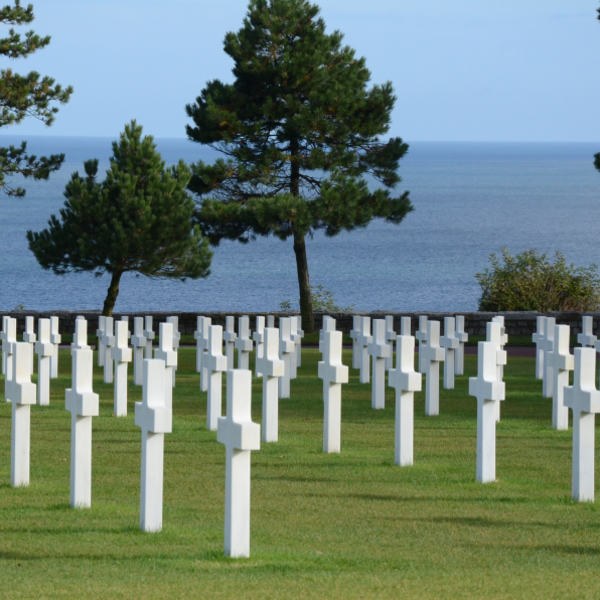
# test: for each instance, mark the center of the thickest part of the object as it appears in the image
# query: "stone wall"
(517, 323)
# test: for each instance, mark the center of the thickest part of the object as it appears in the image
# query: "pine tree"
(300, 130)
(25, 96)
(138, 219)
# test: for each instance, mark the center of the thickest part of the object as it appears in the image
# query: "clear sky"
(463, 70)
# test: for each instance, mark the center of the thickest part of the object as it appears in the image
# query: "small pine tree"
(300, 130)
(25, 96)
(138, 219)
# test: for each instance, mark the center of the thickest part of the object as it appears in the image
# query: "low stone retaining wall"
(517, 323)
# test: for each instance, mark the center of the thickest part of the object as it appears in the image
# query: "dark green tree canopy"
(23, 96)
(300, 130)
(138, 219)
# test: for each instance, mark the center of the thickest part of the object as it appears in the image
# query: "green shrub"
(529, 281)
(322, 299)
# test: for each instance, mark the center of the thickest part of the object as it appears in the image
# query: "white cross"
(155, 419)
(204, 373)
(333, 373)
(83, 404)
(198, 338)
(216, 363)
(166, 353)
(495, 337)
(328, 325)
(390, 336)
(356, 350)
(229, 337)
(450, 342)
(176, 339)
(584, 399)
(21, 392)
(421, 336)
(587, 338)
(125, 319)
(270, 367)
(271, 321)
(379, 349)
(406, 326)
(9, 337)
(259, 339)
(503, 342)
(406, 382)
(463, 338)
(30, 337)
(243, 343)
(364, 339)
(489, 392)
(138, 341)
(100, 334)
(538, 339)
(296, 339)
(433, 355)
(286, 350)
(548, 346)
(108, 340)
(44, 350)
(149, 335)
(240, 436)
(55, 340)
(561, 362)
(121, 354)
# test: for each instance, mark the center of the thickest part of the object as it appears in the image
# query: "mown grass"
(341, 526)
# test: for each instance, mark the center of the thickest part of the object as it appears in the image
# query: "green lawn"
(344, 526)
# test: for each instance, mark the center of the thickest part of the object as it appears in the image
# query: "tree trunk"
(308, 321)
(113, 292)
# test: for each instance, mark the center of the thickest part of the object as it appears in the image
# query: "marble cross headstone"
(176, 339)
(21, 392)
(406, 382)
(584, 400)
(561, 361)
(421, 336)
(538, 339)
(488, 391)
(229, 337)
(271, 367)
(168, 355)
(100, 334)
(299, 336)
(44, 350)
(379, 349)
(271, 321)
(334, 374)
(286, 351)
(433, 355)
(497, 338)
(83, 404)
(55, 340)
(259, 339)
(121, 355)
(204, 373)
(328, 325)
(587, 338)
(450, 343)
(356, 348)
(198, 338)
(406, 326)
(390, 336)
(548, 346)
(109, 341)
(154, 418)
(503, 342)
(294, 337)
(138, 341)
(243, 343)
(30, 337)
(364, 339)
(216, 363)
(240, 436)
(463, 338)
(149, 335)
(9, 337)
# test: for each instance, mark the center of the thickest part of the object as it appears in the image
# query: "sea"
(470, 199)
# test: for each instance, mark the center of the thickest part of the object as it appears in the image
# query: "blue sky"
(463, 70)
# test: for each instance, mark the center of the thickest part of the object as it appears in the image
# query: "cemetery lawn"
(323, 526)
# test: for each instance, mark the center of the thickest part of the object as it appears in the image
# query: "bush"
(322, 299)
(529, 281)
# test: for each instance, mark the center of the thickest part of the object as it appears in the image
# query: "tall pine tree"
(300, 129)
(25, 96)
(138, 219)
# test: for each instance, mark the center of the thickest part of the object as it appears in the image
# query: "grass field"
(323, 526)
